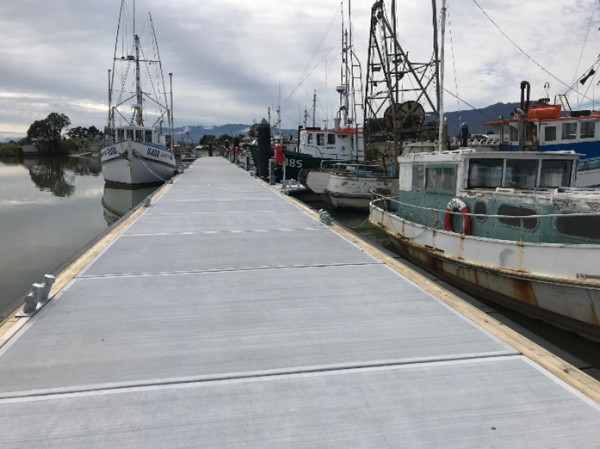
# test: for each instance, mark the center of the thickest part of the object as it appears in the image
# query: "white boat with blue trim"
(549, 127)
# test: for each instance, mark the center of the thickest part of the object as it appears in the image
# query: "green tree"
(206, 139)
(80, 132)
(47, 133)
(253, 131)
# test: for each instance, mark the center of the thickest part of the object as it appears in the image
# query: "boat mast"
(314, 108)
(355, 74)
(138, 88)
(170, 118)
(111, 114)
(342, 89)
(441, 78)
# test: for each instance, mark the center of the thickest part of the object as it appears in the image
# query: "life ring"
(457, 206)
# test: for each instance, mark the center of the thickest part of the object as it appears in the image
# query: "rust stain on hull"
(507, 289)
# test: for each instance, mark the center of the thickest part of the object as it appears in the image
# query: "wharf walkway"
(226, 316)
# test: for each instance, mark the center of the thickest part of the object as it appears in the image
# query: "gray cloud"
(233, 59)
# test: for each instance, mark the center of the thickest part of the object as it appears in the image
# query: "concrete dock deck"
(226, 316)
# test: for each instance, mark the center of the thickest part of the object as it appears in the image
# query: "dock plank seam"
(60, 393)
(225, 270)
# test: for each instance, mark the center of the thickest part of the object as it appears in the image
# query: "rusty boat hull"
(559, 291)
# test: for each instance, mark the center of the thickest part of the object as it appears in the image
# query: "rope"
(148, 167)
(360, 225)
(525, 217)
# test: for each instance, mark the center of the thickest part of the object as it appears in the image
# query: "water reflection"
(117, 201)
(57, 175)
(50, 208)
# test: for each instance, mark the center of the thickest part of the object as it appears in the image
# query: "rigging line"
(468, 104)
(584, 41)
(519, 48)
(307, 69)
(449, 27)
(304, 77)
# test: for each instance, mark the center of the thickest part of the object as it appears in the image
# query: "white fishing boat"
(505, 226)
(137, 151)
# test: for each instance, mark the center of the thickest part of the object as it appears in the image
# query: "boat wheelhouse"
(547, 127)
(337, 144)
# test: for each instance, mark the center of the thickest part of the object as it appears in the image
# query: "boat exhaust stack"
(525, 86)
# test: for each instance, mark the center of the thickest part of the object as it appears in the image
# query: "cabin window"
(586, 227)
(556, 173)
(418, 177)
(330, 139)
(440, 178)
(148, 136)
(129, 134)
(138, 135)
(320, 139)
(550, 133)
(587, 130)
(569, 131)
(120, 135)
(513, 214)
(310, 138)
(521, 173)
(480, 211)
(485, 173)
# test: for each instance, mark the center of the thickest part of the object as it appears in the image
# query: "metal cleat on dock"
(325, 217)
(37, 296)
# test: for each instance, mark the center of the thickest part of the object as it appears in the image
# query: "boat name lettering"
(110, 151)
(296, 163)
(152, 152)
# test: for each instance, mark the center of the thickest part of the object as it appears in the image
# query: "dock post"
(264, 148)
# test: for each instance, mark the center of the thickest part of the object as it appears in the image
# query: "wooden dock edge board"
(13, 323)
(570, 374)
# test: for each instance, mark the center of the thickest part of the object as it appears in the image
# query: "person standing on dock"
(279, 159)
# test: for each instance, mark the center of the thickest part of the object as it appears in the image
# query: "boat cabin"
(331, 144)
(546, 128)
(138, 134)
(501, 189)
(459, 170)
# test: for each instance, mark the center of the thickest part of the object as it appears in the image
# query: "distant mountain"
(473, 117)
(476, 117)
(195, 133)
(7, 139)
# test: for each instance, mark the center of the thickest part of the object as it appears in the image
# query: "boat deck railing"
(362, 170)
(437, 216)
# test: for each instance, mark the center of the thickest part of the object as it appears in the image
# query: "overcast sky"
(233, 59)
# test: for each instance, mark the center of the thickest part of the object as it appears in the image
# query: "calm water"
(50, 209)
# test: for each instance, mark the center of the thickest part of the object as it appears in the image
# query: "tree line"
(50, 138)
